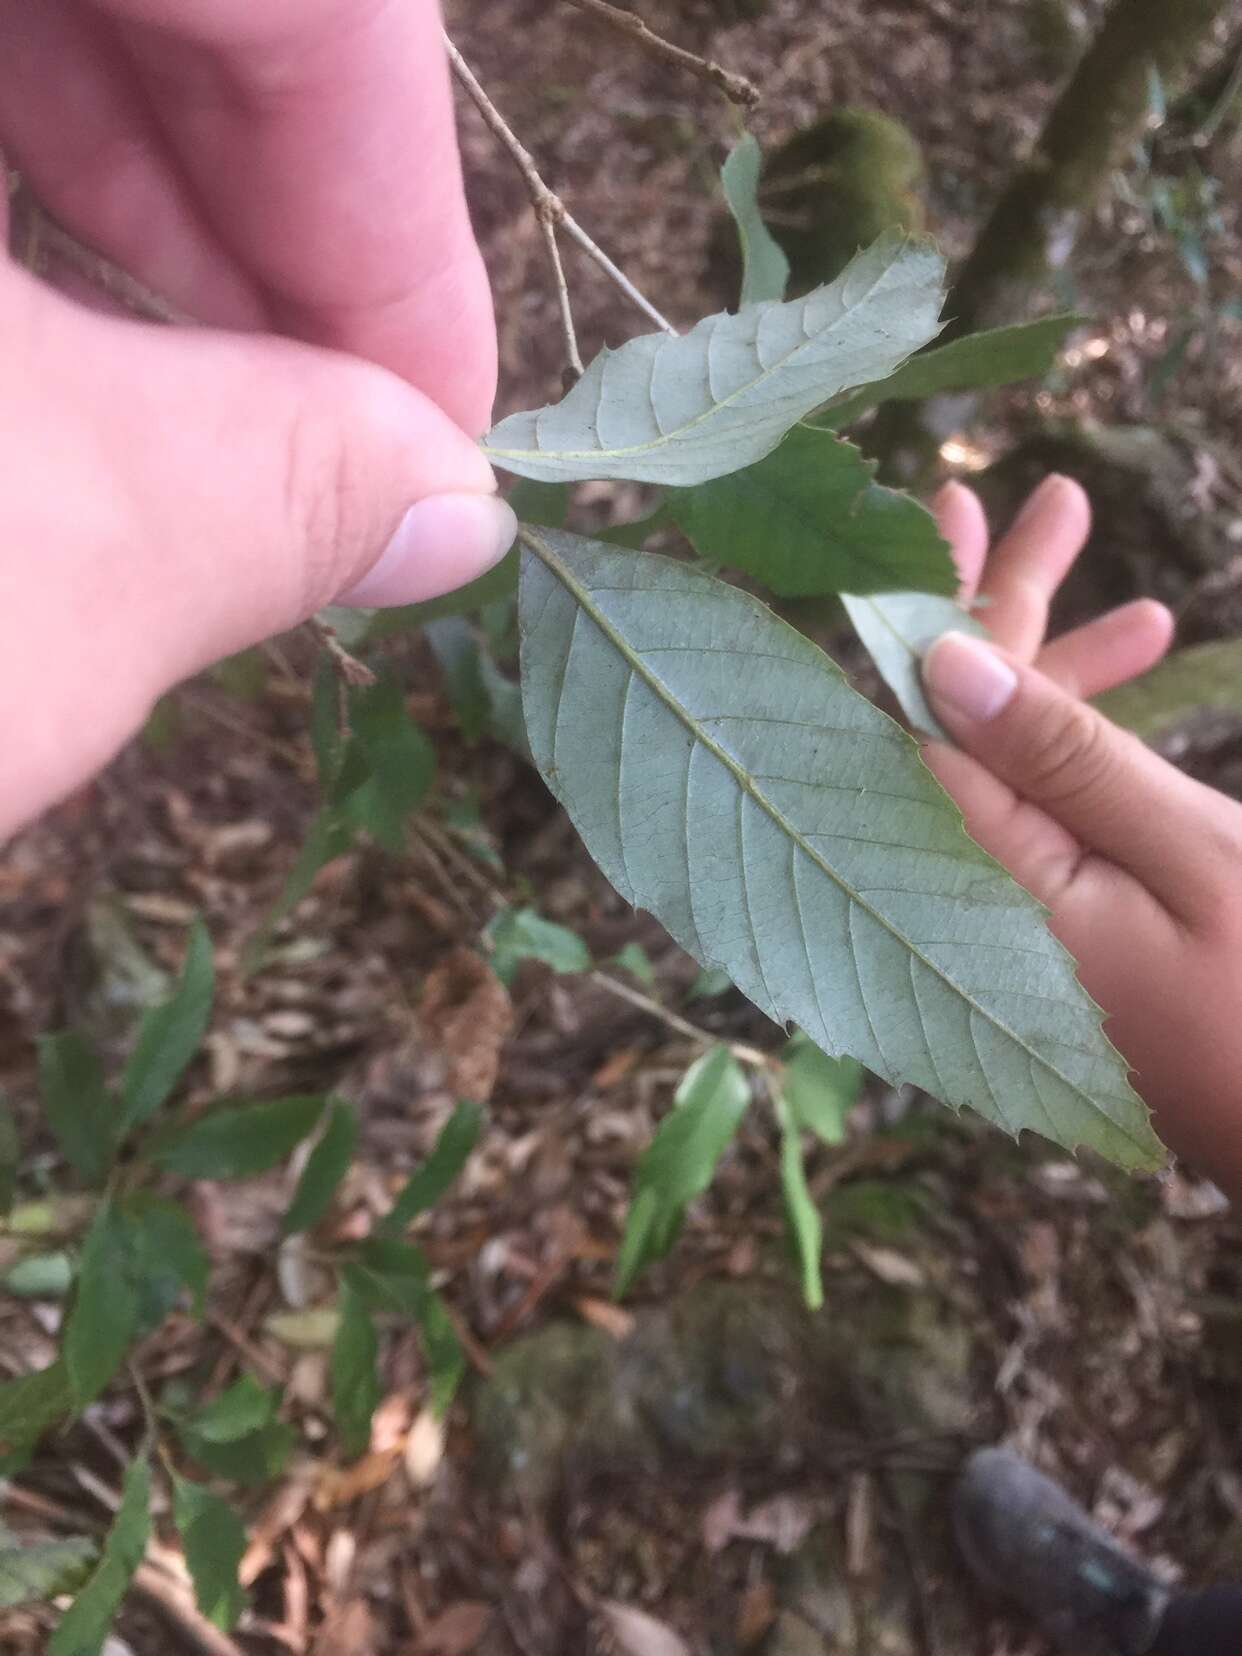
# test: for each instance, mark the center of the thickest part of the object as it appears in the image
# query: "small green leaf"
(237, 1435)
(400, 764)
(244, 1408)
(802, 1216)
(355, 1378)
(635, 960)
(79, 1107)
(164, 1257)
(240, 1141)
(214, 1539)
(682, 408)
(522, 934)
(325, 1167)
(392, 1277)
(817, 1091)
(898, 629)
(40, 1276)
(765, 269)
(446, 1361)
(998, 356)
(42, 1570)
(711, 982)
(85, 1625)
(170, 1035)
(32, 1403)
(808, 519)
(104, 1320)
(457, 1139)
(1206, 676)
(455, 646)
(680, 1161)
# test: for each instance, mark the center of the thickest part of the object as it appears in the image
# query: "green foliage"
(790, 830)
(765, 269)
(238, 1436)
(423, 1190)
(325, 1167)
(635, 960)
(85, 1624)
(681, 1159)
(42, 1569)
(898, 628)
(241, 1140)
(355, 1377)
(214, 1539)
(816, 1091)
(806, 1229)
(809, 519)
(1206, 676)
(391, 1277)
(32, 1403)
(523, 934)
(170, 1035)
(10, 1152)
(80, 1109)
(681, 409)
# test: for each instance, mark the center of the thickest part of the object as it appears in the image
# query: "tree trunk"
(1099, 115)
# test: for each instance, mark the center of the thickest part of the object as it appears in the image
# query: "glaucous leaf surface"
(765, 269)
(808, 519)
(725, 776)
(683, 408)
(898, 628)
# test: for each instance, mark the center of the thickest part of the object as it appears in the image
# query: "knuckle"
(1070, 753)
(327, 495)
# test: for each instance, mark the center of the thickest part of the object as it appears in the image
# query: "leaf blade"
(765, 269)
(80, 1109)
(451, 1151)
(214, 1539)
(355, 1378)
(325, 1167)
(243, 1140)
(85, 1624)
(897, 629)
(170, 1035)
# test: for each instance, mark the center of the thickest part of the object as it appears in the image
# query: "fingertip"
(962, 521)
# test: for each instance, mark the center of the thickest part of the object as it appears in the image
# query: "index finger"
(1029, 563)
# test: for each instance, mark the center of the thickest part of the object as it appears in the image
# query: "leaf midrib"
(680, 433)
(583, 597)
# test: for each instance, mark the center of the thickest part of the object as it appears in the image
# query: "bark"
(1100, 114)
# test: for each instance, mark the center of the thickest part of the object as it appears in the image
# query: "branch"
(547, 204)
(736, 88)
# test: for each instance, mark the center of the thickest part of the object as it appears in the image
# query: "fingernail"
(441, 543)
(1038, 500)
(963, 675)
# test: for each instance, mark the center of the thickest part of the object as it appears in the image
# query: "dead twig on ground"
(735, 87)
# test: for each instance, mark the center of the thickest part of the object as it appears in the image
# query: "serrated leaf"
(725, 775)
(997, 356)
(817, 1091)
(242, 1140)
(680, 409)
(449, 1155)
(85, 1625)
(32, 1403)
(170, 1035)
(522, 934)
(42, 1570)
(681, 1159)
(355, 1378)
(765, 269)
(325, 1167)
(214, 1539)
(808, 519)
(1204, 677)
(103, 1323)
(806, 1229)
(80, 1109)
(898, 628)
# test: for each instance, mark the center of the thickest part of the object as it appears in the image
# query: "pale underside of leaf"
(727, 778)
(682, 408)
(898, 628)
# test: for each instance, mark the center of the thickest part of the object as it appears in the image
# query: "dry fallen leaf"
(424, 1450)
(340, 1485)
(756, 1613)
(638, 1634)
(457, 1630)
(613, 1319)
(349, 1631)
(895, 1269)
(467, 1015)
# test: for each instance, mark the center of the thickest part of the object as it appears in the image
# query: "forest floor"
(704, 1455)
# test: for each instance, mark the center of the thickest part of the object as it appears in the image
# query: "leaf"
(522, 934)
(445, 1359)
(79, 1107)
(679, 1162)
(765, 269)
(214, 1539)
(42, 1570)
(170, 1035)
(164, 1256)
(1206, 676)
(423, 1190)
(355, 1379)
(41, 1276)
(456, 648)
(84, 1626)
(806, 1229)
(817, 1091)
(635, 960)
(997, 356)
(245, 1139)
(898, 628)
(32, 1403)
(725, 775)
(391, 1276)
(103, 1323)
(325, 1167)
(679, 409)
(808, 519)
(10, 1155)
(238, 1436)
(397, 759)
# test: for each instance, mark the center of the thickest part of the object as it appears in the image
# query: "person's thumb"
(173, 495)
(1113, 794)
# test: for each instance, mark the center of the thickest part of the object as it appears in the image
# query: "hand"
(170, 495)
(1138, 864)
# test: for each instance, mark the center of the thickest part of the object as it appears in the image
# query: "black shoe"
(1028, 1542)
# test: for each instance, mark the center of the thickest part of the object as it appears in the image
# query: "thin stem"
(574, 357)
(681, 1026)
(546, 202)
(348, 667)
(735, 87)
(43, 243)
